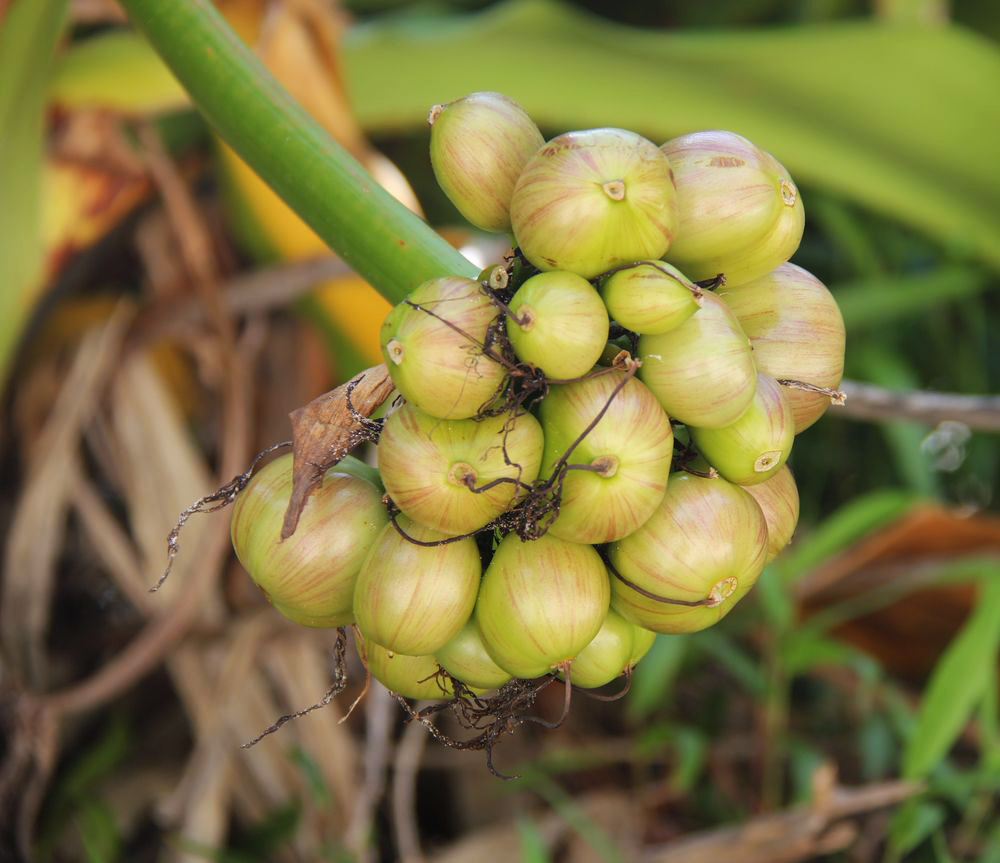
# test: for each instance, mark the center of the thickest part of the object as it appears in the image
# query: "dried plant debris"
(328, 428)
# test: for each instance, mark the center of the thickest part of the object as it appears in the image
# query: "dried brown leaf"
(326, 429)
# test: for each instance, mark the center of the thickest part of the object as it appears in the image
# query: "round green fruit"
(416, 677)
(588, 201)
(650, 297)
(540, 603)
(465, 658)
(706, 544)
(703, 371)
(607, 655)
(479, 144)
(559, 324)
(411, 598)
(430, 466)
(310, 576)
(626, 456)
(754, 448)
(432, 343)
(778, 498)
(797, 333)
(739, 213)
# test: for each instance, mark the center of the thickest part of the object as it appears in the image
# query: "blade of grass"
(28, 35)
(957, 684)
(376, 235)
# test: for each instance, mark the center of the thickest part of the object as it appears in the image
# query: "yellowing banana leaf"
(902, 119)
(28, 34)
(116, 71)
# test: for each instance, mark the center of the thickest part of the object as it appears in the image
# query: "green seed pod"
(650, 297)
(628, 453)
(435, 353)
(465, 658)
(778, 499)
(410, 676)
(559, 324)
(429, 464)
(642, 643)
(588, 201)
(739, 213)
(479, 145)
(797, 333)
(706, 542)
(310, 576)
(753, 448)
(607, 655)
(540, 603)
(411, 598)
(702, 372)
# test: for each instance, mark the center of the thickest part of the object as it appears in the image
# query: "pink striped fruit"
(414, 599)
(587, 201)
(479, 144)
(703, 371)
(607, 655)
(310, 576)
(628, 453)
(559, 324)
(428, 464)
(650, 297)
(410, 676)
(706, 543)
(465, 658)
(778, 499)
(797, 332)
(739, 213)
(753, 448)
(434, 353)
(540, 603)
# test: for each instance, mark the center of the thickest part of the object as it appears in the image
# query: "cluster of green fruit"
(603, 422)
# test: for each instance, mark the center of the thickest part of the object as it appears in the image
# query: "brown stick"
(868, 402)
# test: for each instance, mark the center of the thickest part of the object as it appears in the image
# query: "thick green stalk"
(375, 234)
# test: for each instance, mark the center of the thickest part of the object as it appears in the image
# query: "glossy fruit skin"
(413, 599)
(540, 603)
(754, 448)
(465, 658)
(559, 324)
(708, 539)
(778, 499)
(650, 298)
(703, 371)
(642, 643)
(409, 676)
(634, 442)
(425, 462)
(479, 145)
(739, 213)
(797, 332)
(607, 655)
(589, 200)
(310, 576)
(440, 370)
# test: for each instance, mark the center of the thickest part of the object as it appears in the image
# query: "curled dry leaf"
(326, 429)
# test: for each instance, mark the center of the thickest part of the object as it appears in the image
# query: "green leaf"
(533, 848)
(875, 302)
(653, 677)
(851, 522)
(28, 36)
(957, 684)
(898, 118)
(116, 71)
(912, 823)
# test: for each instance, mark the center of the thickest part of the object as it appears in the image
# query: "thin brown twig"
(869, 402)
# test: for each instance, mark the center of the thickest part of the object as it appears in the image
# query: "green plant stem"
(377, 236)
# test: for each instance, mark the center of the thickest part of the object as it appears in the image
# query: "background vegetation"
(161, 312)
